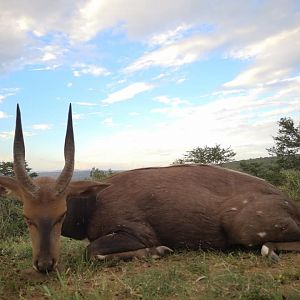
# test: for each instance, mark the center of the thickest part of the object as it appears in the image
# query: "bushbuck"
(150, 211)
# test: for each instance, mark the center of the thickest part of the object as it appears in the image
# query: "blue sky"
(148, 80)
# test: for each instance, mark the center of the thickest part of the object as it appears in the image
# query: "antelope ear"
(10, 187)
(85, 188)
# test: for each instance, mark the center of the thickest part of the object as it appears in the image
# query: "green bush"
(270, 172)
(291, 184)
(11, 220)
(100, 175)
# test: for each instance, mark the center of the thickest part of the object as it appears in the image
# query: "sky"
(148, 80)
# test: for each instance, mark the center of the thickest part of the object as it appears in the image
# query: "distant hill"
(234, 165)
(78, 174)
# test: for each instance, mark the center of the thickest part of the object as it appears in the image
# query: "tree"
(207, 155)
(100, 175)
(7, 169)
(287, 145)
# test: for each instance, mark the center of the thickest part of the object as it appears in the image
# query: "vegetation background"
(186, 275)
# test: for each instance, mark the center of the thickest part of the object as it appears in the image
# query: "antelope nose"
(45, 265)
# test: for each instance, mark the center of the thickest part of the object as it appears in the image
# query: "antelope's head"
(44, 199)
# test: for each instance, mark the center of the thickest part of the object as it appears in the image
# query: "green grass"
(187, 275)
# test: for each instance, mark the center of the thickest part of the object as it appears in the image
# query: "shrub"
(291, 184)
(207, 155)
(269, 172)
(100, 175)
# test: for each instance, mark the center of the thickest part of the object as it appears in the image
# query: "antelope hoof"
(270, 253)
(274, 257)
(99, 257)
(163, 250)
(160, 251)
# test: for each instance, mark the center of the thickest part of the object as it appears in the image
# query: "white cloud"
(85, 103)
(128, 92)
(108, 122)
(10, 134)
(3, 114)
(77, 116)
(69, 84)
(246, 121)
(160, 76)
(180, 80)
(143, 20)
(7, 134)
(170, 101)
(170, 36)
(41, 126)
(224, 92)
(247, 106)
(44, 32)
(85, 69)
(273, 59)
(47, 68)
(278, 113)
(7, 92)
(47, 56)
(133, 114)
(262, 47)
(23, 26)
(177, 54)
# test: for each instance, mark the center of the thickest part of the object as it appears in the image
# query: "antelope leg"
(268, 249)
(154, 252)
(122, 246)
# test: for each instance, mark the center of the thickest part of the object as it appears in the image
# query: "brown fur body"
(191, 207)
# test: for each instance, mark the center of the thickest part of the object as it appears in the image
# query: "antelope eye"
(29, 222)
